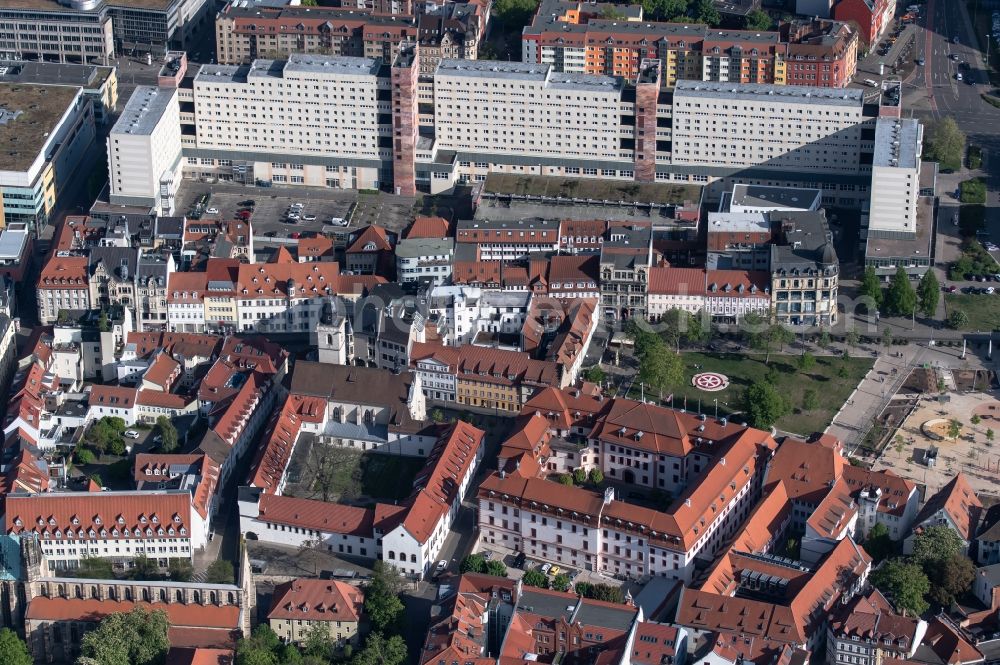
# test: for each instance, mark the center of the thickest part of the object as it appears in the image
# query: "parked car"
(270, 234)
(294, 235)
(519, 560)
(487, 555)
(212, 211)
(440, 567)
(920, 62)
(309, 218)
(243, 214)
(952, 288)
(131, 434)
(300, 206)
(248, 202)
(338, 221)
(546, 568)
(554, 570)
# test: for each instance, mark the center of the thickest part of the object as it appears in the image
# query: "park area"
(981, 311)
(326, 472)
(814, 390)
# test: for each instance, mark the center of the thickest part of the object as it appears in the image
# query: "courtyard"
(959, 426)
(326, 472)
(823, 387)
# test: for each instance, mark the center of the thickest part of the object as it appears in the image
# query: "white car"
(309, 218)
(131, 434)
(338, 221)
(441, 566)
(546, 568)
(212, 211)
(293, 215)
(299, 205)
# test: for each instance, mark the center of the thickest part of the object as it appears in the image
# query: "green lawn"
(983, 310)
(353, 474)
(742, 369)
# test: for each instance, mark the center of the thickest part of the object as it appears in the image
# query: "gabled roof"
(428, 227)
(316, 600)
(370, 234)
(959, 502)
(807, 469)
(112, 396)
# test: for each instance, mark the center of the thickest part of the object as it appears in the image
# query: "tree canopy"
(136, 637)
(381, 650)
(536, 578)
(945, 144)
(220, 571)
(107, 435)
(13, 650)
(871, 287)
(167, 433)
(757, 20)
(382, 603)
(900, 298)
(764, 405)
(936, 544)
(928, 293)
(951, 578)
(878, 543)
(905, 583)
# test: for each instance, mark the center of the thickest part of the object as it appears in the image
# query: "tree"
(220, 571)
(928, 293)
(824, 340)
(660, 368)
(664, 10)
(106, 434)
(957, 319)
(381, 650)
(180, 570)
(437, 415)
(989, 435)
(136, 637)
(975, 419)
(951, 578)
(144, 568)
(579, 475)
(560, 582)
(945, 144)
(167, 433)
(496, 568)
(679, 326)
(565, 479)
(102, 322)
(84, 456)
(878, 543)
(757, 20)
(318, 643)
(13, 650)
(261, 648)
(806, 362)
(596, 476)
(95, 568)
(900, 298)
(763, 404)
(810, 400)
(705, 12)
(607, 593)
(887, 338)
(382, 602)
(514, 14)
(474, 563)
(851, 339)
(594, 374)
(871, 287)
(954, 428)
(774, 336)
(905, 583)
(536, 578)
(936, 544)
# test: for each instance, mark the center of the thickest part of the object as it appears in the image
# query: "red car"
(295, 235)
(243, 214)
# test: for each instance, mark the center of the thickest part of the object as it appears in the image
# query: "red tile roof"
(316, 515)
(64, 272)
(158, 468)
(179, 615)
(283, 430)
(315, 247)
(56, 514)
(947, 641)
(728, 283)
(654, 644)
(438, 483)
(163, 371)
(112, 396)
(162, 399)
(807, 469)
(198, 656)
(428, 227)
(371, 234)
(706, 611)
(677, 281)
(270, 280)
(316, 600)
(958, 500)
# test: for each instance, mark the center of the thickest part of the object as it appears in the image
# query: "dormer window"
(97, 520)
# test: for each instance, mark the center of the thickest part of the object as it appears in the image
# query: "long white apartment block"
(895, 177)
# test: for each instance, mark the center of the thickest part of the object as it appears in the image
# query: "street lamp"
(988, 40)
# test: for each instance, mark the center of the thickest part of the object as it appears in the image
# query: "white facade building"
(144, 151)
(896, 177)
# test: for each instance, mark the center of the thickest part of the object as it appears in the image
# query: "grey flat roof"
(573, 81)
(32, 114)
(758, 91)
(12, 242)
(602, 616)
(493, 69)
(144, 109)
(761, 196)
(522, 224)
(339, 65)
(52, 73)
(735, 222)
(897, 142)
(410, 248)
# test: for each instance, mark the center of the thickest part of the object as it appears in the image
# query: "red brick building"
(873, 17)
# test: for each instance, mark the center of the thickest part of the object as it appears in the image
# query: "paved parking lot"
(272, 204)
